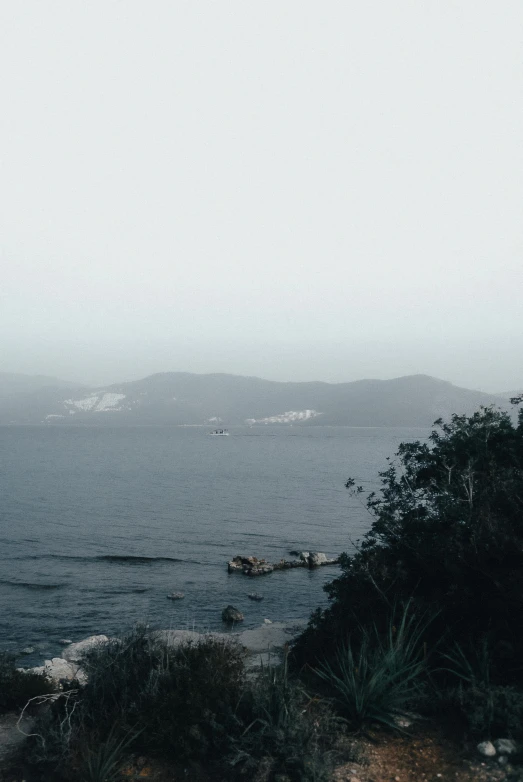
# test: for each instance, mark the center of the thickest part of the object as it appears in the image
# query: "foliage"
(18, 687)
(375, 679)
(490, 710)
(181, 699)
(168, 701)
(470, 666)
(487, 709)
(448, 534)
(104, 761)
(190, 703)
(283, 730)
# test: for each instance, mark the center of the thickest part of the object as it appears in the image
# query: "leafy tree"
(448, 534)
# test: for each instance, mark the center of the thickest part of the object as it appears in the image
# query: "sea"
(99, 524)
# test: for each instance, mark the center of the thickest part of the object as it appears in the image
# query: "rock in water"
(249, 566)
(231, 614)
(176, 596)
(255, 596)
(316, 559)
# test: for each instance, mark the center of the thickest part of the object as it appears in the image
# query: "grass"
(104, 761)
(283, 730)
(376, 679)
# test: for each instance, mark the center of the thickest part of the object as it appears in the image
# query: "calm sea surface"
(98, 525)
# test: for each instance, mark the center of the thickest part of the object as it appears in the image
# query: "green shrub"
(180, 699)
(470, 665)
(490, 710)
(282, 730)
(487, 709)
(379, 679)
(18, 687)
(448, 534)
(103, 761)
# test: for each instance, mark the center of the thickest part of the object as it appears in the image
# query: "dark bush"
(188, 703)
(178, 700)
(282, 730)
(448, 535)
(18, 687)
(490, 710)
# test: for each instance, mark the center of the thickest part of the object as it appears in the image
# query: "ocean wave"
(135, 559)
(31, 584)
(102, 591)
(131, 559)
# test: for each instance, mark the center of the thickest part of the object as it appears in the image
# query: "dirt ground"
(425, 754)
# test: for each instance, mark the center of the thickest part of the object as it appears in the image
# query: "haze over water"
(97, 526)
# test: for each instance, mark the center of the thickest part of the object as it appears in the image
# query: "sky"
(295, 190)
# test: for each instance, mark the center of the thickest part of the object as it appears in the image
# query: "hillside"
(179, 398)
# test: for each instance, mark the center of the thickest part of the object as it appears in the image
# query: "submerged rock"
(232, 614)
(255, 596)
(176, 596)
(27, 650)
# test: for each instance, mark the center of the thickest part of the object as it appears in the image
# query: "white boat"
(219, 433)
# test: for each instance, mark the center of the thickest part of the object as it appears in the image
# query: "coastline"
(262, 645)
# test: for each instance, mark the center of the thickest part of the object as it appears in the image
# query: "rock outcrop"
(231, 614)
(74, 652)
(252, 566)
(487, 749)
(505, 746)
(59, 670)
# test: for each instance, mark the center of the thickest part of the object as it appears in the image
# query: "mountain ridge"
(185, 398)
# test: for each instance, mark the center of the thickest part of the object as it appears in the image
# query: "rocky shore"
(260, 644)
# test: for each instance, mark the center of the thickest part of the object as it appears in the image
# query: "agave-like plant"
(377, 679)
(103, 763)
(470, 666)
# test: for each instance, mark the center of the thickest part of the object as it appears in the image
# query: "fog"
(292, 190)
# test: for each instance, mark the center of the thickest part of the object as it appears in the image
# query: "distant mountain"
(12, 383)
(510, 394)
(179, 398)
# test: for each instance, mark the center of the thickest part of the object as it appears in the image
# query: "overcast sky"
(291, 189)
